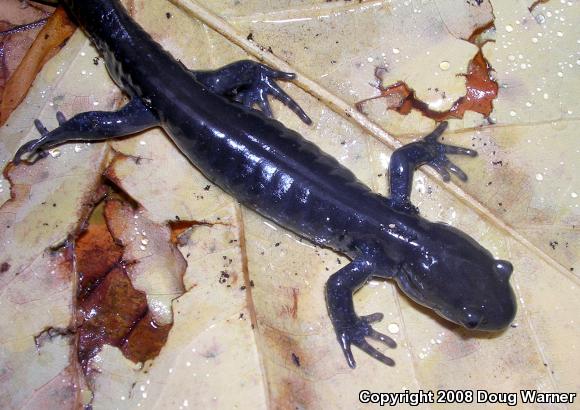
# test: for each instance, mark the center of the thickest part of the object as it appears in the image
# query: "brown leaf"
(56, 31)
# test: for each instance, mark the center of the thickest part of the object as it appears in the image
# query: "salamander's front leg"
(351, 329)
(250, 83)
(89, 126)
(428, 151)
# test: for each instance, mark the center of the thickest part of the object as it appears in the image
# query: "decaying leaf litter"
(26, 47)
(261, 329)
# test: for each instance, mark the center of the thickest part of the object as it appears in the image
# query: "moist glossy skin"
(275, 171)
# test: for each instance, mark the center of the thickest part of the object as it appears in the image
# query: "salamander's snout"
(491, 317)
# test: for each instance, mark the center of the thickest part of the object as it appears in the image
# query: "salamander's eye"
(472, 319)
(504, 268)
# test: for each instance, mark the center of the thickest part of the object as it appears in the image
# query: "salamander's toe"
(265, 85)
(439, 151)
(29, 148)
(60, 118)
(40, 127)
(355, 334)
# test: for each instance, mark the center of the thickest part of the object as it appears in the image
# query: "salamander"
(273, 170)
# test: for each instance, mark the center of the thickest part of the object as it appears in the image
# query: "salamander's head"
(460, 280)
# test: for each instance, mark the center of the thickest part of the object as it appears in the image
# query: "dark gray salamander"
(289, 180)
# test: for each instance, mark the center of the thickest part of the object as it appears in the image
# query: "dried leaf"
(19, 27)
(57, 30)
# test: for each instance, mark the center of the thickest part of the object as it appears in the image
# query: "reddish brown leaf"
(56, 31)
(19, 26)
(481, 90)
(108, 314)
(146, 340)
(96, 254)
(110, 309)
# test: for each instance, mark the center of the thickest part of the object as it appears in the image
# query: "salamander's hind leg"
(351, 329)
(250, 83)
(427, 151)
(89, 126)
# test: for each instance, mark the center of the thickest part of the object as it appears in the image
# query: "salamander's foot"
(264, 84)
(249, 82)
(90, 126)
(34, 148)
(355, 334)
(438, 152)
